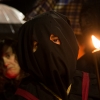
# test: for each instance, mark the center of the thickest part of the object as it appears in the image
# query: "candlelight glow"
(96, 42)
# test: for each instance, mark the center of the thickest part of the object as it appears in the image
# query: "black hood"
(51, 64)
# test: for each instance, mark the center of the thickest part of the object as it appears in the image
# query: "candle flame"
(96, 42)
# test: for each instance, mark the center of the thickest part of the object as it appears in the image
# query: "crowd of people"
(48, 53)
(47, 61)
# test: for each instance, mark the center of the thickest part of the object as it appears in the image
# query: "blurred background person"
(90, 25)
(11, 20)
(71, 9)
(10, 71)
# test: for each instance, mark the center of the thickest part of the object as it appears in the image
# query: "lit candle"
(96, 44)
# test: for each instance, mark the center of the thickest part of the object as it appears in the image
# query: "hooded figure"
(47, 49)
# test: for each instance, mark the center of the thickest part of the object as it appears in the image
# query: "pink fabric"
(25, 94)
(85, 86)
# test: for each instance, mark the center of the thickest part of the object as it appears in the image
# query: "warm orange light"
(96, 43)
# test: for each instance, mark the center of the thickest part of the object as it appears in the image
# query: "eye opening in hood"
(35, 46)
(55, 39)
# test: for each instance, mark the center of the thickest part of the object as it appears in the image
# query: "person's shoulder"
(29, 84)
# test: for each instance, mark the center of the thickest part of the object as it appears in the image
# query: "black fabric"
(8, 92)
(76, 89)
(32, 86)
(51, 64)
(86, 63)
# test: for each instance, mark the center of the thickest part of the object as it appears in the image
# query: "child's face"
(12, 68)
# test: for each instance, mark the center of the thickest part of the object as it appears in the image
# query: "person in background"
(90, 25)
(46, 51)
(39, 7)
(71, 9)
(10, 71)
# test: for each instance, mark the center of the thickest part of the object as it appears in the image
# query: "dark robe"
(86, 64)
(52, 65)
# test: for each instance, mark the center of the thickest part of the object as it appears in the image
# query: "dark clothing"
(36, 89)
(76, 90)
(30, 85)
(44, 6)
(86, 64)
(51, 64)
(8, 92)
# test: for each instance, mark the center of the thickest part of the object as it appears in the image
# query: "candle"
(96, 44)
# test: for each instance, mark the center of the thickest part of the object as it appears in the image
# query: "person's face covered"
(49, 51)
(11, 66)
(53, 38)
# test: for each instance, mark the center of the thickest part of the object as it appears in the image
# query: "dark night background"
(22, 5)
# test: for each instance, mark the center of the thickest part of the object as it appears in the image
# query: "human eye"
(54, 39)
